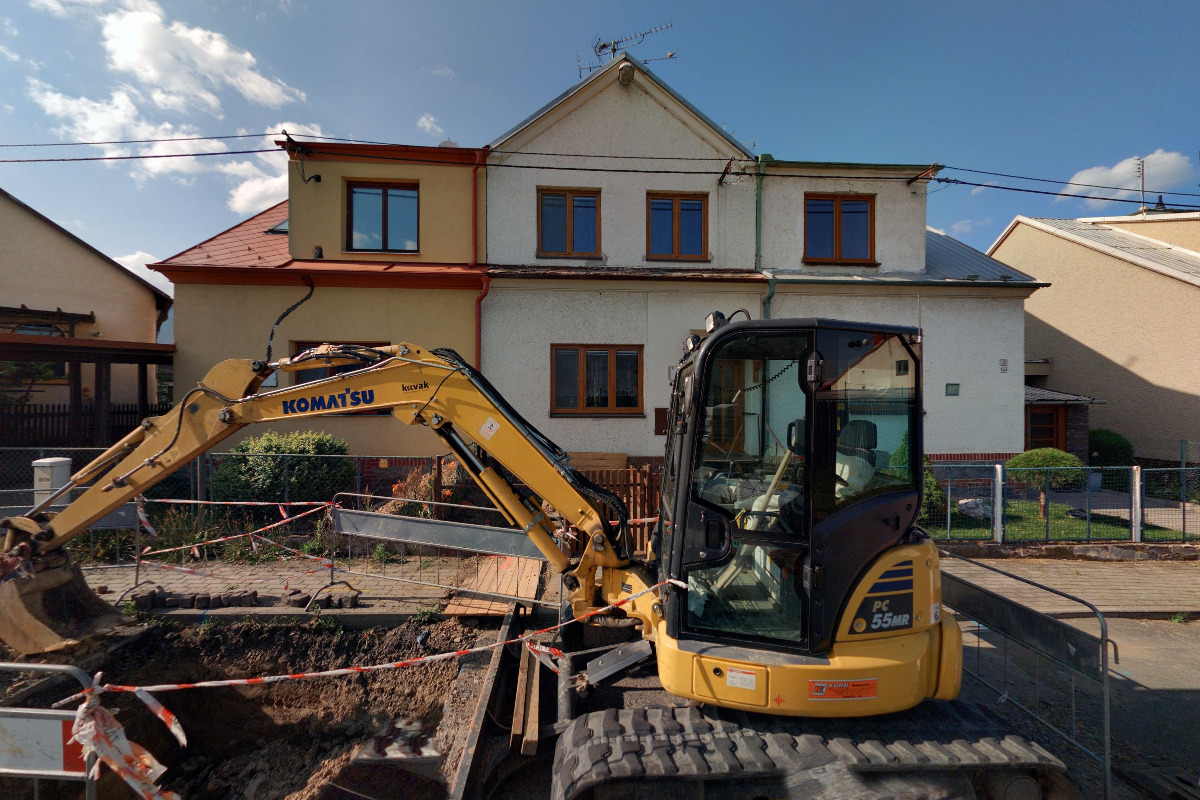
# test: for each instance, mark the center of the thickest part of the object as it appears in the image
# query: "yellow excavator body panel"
(894, 649)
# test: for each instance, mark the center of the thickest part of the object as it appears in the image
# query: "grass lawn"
(1022, 524)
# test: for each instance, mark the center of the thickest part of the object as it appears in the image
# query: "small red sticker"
(778, 699)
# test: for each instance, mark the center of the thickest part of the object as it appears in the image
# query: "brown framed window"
(569, 223)
(676, 226)
(595, 379)
(383, 217)
(321, 371)
(1046, 426)
(839, 228)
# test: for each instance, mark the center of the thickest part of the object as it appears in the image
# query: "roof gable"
(605, 78)
(1140, 251)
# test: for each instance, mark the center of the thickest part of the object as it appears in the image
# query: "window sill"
(381, 252)
(691, 259)
(572, 256)
(597, 415)
(811, 263)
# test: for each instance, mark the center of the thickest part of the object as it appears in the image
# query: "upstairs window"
(839, 229)
(569, 223)
(677, 227)
(383, 218)
(596, 379)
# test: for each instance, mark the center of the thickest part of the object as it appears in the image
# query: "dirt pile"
(283, 740)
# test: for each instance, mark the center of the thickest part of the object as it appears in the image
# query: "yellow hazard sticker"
(863, 689)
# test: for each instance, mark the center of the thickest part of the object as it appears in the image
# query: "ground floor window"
(595, 379)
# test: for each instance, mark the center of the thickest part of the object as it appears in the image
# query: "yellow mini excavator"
(802, 593)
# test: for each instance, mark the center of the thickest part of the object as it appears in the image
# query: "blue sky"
(1062, 91)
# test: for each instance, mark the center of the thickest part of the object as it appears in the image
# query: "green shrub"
(257, 470)
(1109, 449)
(1048, 468)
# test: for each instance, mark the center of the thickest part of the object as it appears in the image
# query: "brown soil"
(279, 741)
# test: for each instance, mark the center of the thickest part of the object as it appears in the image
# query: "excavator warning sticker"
(864, 689)
(489, 428)
(740, 678)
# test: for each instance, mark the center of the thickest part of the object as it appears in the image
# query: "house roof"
(161, 299)
(1039, 396)
(249, 253)
(1117, 242)
(602, 73)
(949, 259)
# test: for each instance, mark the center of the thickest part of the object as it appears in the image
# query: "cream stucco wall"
(44, 268)
(213, 323)
(522, 320)
(317, 211)
(1182, 230)
(966, 335)
(609, 119)
(1115, 331)
(899, 219)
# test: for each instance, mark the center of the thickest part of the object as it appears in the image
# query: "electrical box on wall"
(1004, 365)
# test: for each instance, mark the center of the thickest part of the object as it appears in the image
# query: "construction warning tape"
(240, 502)
(253, 533)
(268, 679)
(143, 520)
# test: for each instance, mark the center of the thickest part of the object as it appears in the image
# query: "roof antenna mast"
(610, 48)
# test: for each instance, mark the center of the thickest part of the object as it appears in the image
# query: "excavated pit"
(281, 741)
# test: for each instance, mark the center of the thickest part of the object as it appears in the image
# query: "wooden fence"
(640, 489)
(50, 425)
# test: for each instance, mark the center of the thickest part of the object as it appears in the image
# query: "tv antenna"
(611, 47)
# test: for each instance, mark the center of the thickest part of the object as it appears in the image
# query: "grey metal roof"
(950, 259)
(1034, 394)
(1159, 254)
(611, 65)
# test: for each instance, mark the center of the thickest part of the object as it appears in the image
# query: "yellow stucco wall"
(317, 211)
(213, 323)
(43, 268)
(1114, 331)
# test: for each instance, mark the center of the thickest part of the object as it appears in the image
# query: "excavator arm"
(437, 389)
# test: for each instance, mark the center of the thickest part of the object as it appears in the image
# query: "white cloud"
(965, 226)
(8, 54)
(935, 230)
(976, 190)
(441, 72)
(263, 182)
(9, 28)
(428, 123)
(1163, 171)
(182, 67)
(60, 8)
(136, 263)
(118, 119)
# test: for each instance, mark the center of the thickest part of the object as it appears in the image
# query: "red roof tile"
(246, 244)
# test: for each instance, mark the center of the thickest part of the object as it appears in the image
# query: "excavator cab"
(791, 489)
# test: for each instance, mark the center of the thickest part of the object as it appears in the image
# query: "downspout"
(758, 182)
(486, 281)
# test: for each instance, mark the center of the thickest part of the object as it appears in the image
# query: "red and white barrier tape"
(143, 520)
(241, 502)
(253, 533)
(170, 687)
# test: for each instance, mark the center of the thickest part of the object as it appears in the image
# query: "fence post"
(1044, 501)
(437, 487)
(285, 478)
(949, 492)
(998, 503)
(1183, 486)
(1135, 502)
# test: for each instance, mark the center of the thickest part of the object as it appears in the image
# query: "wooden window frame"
(676, 197)
(570, 192)
(385, 185)
(611, 410)
(837, 228)
(300, 346)
(1060, 424)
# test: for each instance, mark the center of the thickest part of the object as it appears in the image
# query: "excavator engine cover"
(52, 609)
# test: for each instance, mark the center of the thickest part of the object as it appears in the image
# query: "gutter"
(758, 182)
(486, 281)
(838, 280)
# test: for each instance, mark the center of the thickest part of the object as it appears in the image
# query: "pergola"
(102, 353)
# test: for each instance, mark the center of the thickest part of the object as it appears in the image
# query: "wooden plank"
(517, 734)
(501, 575)
(598, 461)
(529, 573)
(529, 742)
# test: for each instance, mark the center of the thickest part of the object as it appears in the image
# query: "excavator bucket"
(51, 610)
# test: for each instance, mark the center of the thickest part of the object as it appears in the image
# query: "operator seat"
(856, 457)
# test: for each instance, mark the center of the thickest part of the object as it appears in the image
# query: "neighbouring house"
(1118, 321)
(78, 331)
(390, 238)
(606, 255)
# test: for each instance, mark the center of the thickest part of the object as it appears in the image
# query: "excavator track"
(937, 750)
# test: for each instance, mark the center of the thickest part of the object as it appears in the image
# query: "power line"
(142, 141)
(956, 182)
(133, 158)
(1065, 183)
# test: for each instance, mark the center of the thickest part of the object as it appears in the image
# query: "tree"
(17, 379)
(1056, 470)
